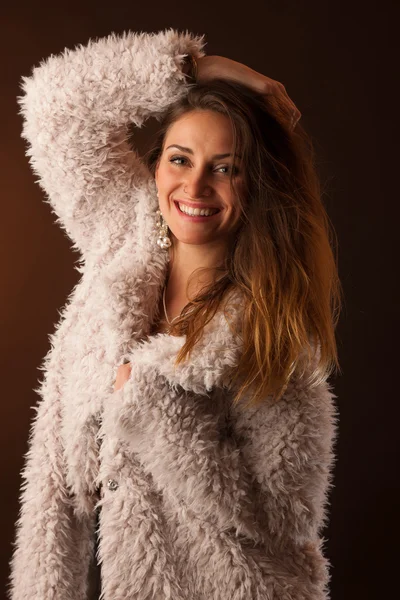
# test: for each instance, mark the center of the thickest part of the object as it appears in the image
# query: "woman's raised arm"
(77, 107)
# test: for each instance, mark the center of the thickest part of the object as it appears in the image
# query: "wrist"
(207, 68)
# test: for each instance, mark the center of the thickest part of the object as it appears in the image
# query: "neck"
(184, 260)
(187, 258)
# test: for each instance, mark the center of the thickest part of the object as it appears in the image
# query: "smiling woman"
(143, 460)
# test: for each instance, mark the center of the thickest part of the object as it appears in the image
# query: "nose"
(197, 185)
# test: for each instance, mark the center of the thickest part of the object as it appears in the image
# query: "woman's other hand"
(123, 375)
(220, 67)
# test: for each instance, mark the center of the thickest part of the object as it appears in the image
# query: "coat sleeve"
(290, 449)
(77, 108)
(266, 484)
(51, 548)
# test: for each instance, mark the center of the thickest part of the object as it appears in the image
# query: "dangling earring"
(163, 240)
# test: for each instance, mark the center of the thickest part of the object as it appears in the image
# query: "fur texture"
(209, 502)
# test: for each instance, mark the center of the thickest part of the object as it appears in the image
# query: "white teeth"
(204, 212)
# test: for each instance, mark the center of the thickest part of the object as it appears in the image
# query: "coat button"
(112, 485)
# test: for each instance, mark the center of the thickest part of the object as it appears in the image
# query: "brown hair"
(282, 258)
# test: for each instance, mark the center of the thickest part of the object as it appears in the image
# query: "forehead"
(202, 128)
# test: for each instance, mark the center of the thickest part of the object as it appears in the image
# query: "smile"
(195, 217)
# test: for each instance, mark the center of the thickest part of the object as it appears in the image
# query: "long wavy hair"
(283, 259)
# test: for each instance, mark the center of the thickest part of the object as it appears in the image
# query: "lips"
(200, 205)
(195, 218)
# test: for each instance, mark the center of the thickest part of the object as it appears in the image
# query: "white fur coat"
(199, 501)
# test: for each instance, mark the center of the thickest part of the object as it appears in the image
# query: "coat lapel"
(132, 286)
(132, 282)
(133, 292)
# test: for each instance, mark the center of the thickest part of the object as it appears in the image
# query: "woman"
(184, 437)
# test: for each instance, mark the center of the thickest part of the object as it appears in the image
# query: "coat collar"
(132, 286)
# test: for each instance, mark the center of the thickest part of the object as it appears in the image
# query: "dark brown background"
(337, 62)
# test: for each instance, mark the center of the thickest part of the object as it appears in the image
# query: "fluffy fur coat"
(199, 500)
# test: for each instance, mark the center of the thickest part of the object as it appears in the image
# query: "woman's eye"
(178, 158)
(234, 169)
(229, 168)
(172, 160)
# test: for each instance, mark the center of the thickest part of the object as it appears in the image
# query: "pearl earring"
(163, 241)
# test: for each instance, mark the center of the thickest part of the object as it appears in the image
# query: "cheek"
(232, 198)
(167, 177)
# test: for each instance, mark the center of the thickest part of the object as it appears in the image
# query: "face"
(195, 176)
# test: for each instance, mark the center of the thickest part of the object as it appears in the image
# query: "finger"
(283, 111)
(295, 119)
(277, 88)
(123, 373)
(277, 95)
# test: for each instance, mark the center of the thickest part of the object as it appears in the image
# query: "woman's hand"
(123, 375)
(213, 67)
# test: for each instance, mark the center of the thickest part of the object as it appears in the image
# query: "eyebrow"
(190, 151)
